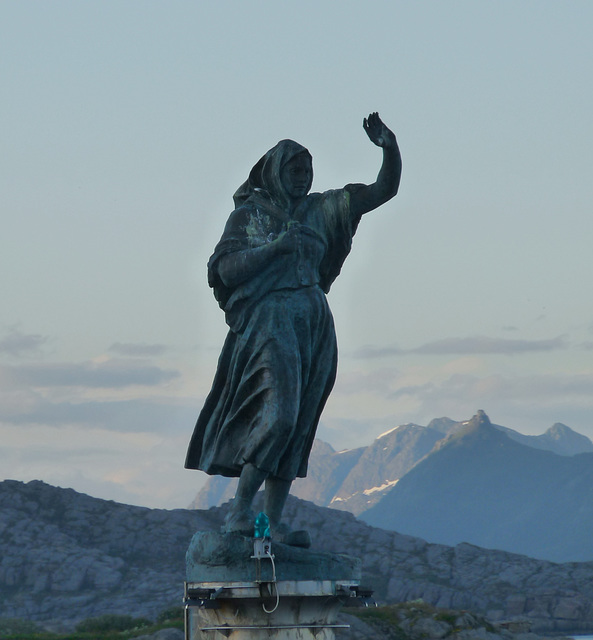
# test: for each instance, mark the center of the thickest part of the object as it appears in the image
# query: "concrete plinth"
(293, 595)
(284, 610)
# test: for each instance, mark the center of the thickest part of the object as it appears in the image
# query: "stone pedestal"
(284, 610)
(292, 594)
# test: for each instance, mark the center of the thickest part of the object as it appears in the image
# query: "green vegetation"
(385, 619)
(107, 627)
(110, 622)
(17, 628)
(450, 617)
(399, 621)
(395, 622)
(394, 614)
(173, 614)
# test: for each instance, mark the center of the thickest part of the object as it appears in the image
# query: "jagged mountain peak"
(558, 429)
(477, 421)
(558, 439)
(481, 418)
(409, 426)
(322, 447)
(566, 441)
(444, 425)
(479, 426)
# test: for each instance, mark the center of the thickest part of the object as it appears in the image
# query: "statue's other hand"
(288, 241)
(377, 132)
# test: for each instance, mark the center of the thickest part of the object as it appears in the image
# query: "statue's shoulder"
(332, 200)
(243, 211)
(319, 198)
(335, 194)
(239, 217)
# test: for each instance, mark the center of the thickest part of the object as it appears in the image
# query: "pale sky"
(127, 126)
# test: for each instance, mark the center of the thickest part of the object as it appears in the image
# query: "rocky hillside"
(65, 556)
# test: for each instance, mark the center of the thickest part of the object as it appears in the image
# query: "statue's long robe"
(278, 363)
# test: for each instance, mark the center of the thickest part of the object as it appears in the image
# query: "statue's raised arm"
(371, 196)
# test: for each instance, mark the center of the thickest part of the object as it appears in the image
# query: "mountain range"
(453, 482)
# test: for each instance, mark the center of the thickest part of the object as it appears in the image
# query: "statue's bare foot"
(239, 521)
(283, 533)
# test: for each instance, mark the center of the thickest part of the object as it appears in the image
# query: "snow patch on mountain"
(385, 485)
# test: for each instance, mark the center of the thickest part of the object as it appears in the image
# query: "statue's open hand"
(377, 132)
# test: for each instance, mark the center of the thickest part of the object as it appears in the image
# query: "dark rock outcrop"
(65, 556)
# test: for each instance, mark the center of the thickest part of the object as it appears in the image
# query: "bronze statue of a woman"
(280, 252)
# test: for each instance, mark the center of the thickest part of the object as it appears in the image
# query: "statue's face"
(297, 175)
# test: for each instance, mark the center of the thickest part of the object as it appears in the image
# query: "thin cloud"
(543, 390)
(18, 344)
(520, 402)
(370, 352)
(124, 416)
(138, 350)
(379, 382)
(475, 345)
(112, 374)
(483, 345)
(414, 390)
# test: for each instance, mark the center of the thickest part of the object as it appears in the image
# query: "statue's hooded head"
(266, 180)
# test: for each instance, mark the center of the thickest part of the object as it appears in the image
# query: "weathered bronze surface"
(280, 252)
